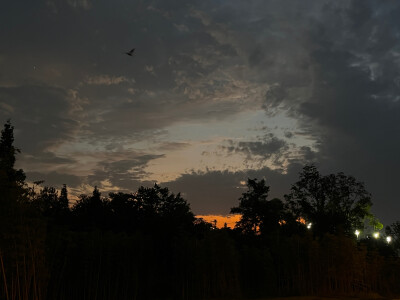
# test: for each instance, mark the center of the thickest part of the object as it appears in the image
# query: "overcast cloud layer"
(216, 92)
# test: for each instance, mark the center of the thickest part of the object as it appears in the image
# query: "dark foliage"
(335, 203)
(148, 245)
(259, 215)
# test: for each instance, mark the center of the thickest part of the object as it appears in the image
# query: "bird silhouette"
(130, 53)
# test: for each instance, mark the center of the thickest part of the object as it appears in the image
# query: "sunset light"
(199, 150)
(220, 220)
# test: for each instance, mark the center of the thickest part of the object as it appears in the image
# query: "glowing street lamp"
(376, 235)
(357, 233)
(309, 225)
(388, 239)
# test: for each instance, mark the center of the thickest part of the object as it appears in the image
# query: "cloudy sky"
(217, 91)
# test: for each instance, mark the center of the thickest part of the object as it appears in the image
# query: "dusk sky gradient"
(216, 92)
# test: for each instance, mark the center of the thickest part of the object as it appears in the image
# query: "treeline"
(148, 244)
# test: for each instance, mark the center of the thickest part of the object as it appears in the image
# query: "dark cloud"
(272, 146)
(173, 146)
(40, 114)
(274, 97)
(352, 110)
(332, 66)
(55, 179)
(126, 99)
(123, 174)
(48, 158)
(213, 192)
(308, 155)
(288, 134)
(216, 192)
(267, 146)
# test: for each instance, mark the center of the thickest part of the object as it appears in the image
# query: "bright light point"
(309, 225)
(376, 235)
(388, 239)
(357, 233)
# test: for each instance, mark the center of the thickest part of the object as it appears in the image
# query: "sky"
(216, 92)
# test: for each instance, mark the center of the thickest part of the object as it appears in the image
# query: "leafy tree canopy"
(258, 214)
(11, 180)
(333, 203)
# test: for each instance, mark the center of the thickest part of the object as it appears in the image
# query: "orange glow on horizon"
(230, 220)
(301, 220)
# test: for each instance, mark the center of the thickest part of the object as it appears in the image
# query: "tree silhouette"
(258, 214)
(148, 245)
(159, 205)
(124, 210)
(7, 149)
(92, 211)
(63, 201)
(333, 203)
(50, 204)
(47, 200)
(22, 230)
(251, 206)
(393, 231)
(11, 180)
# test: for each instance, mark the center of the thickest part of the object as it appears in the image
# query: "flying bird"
(130, 53)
